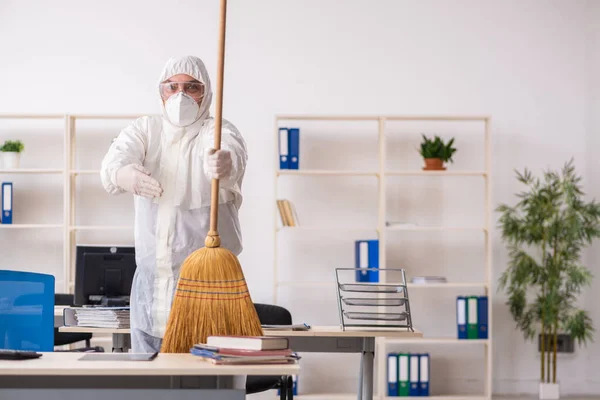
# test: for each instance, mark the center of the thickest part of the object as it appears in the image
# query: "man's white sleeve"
(129, 147)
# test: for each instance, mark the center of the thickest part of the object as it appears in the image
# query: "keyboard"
(6, 354)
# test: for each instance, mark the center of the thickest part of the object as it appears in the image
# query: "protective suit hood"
(194, 67)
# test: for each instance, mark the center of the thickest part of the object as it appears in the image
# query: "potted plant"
(435, 152)
(545, 233)
(11, 153)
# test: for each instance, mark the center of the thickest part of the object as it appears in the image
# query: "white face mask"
(182, 110)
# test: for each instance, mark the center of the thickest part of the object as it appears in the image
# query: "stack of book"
(287, 212)
(231, 350)
(97, 317)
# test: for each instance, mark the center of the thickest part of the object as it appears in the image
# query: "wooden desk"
(320, 339)
(179, 376)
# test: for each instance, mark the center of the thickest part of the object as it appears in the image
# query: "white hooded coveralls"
(171, 227)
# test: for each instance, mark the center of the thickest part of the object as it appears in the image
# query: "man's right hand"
(137, 180)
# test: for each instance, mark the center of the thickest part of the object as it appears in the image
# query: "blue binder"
(7, 202)
(367, 256)
(294, 147)
(284, 161)
(461, 316)
(413, 388)
(392, 373)
(482, 317)
(424, 374)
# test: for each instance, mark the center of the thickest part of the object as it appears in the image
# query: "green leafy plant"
(436, 148)
(12, 146)
(546, 232)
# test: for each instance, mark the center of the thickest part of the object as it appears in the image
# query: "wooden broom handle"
(214, 209)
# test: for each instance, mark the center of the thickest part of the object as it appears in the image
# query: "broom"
(211, 298)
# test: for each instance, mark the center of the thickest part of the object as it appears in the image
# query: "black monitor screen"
(104, 275)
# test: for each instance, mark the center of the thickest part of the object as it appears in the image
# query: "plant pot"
(549, 391)
(10, 159)
(434, 164)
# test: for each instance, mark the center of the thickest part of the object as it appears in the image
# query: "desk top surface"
(53, 364)
(315, 331)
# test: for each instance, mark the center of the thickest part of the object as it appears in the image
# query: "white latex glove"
(136, 179)
(217, 165)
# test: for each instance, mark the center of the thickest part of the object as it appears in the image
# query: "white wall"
(524, 63)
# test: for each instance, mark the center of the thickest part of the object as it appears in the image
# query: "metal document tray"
(376, 316)
(373, 302)
(373, 305)
(371, 288)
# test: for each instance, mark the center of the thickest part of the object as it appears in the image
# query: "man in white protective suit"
(168, 162)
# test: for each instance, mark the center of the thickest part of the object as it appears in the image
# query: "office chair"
(26, 311)
(269, 314)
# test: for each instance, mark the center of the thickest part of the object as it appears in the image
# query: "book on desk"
(229, 350)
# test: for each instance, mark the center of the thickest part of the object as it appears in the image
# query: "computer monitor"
(103, 275)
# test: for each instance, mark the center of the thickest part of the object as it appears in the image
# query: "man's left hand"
(217, 164)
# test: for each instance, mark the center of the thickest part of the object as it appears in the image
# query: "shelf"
(30, 116)
(352, 396)
(380, 129)
(450, 397)
(308, 283)
(327, 117)
(100, 116)
(383, 117)
(435, 173)
(31, 171)
(30, 226)
(323, 172)
(327, 396)
(434, 228)
(86, 172)
(326, 228)
(438, 341)
(410, 285)
(101, 227)
(447, 285)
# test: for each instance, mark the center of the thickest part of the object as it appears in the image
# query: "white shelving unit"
(381, 229)
(70, 174)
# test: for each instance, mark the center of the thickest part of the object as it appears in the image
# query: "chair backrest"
(270, 314)
(26, 311)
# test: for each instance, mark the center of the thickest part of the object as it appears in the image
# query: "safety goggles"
(193, 89)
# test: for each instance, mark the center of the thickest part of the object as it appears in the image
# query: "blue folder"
(392, 373)
(284, 161)
(424, 374)
(294, 147)
(482, 317)
(7, 202)
(413, 387)
(461, 316)
(366, 256)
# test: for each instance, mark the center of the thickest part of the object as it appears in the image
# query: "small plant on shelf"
(11, 152)
(15, 146)
(435, 153)
(546, 233)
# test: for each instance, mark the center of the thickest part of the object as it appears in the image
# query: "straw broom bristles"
(211, 298)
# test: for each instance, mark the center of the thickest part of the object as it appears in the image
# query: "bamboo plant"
(545, 233)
